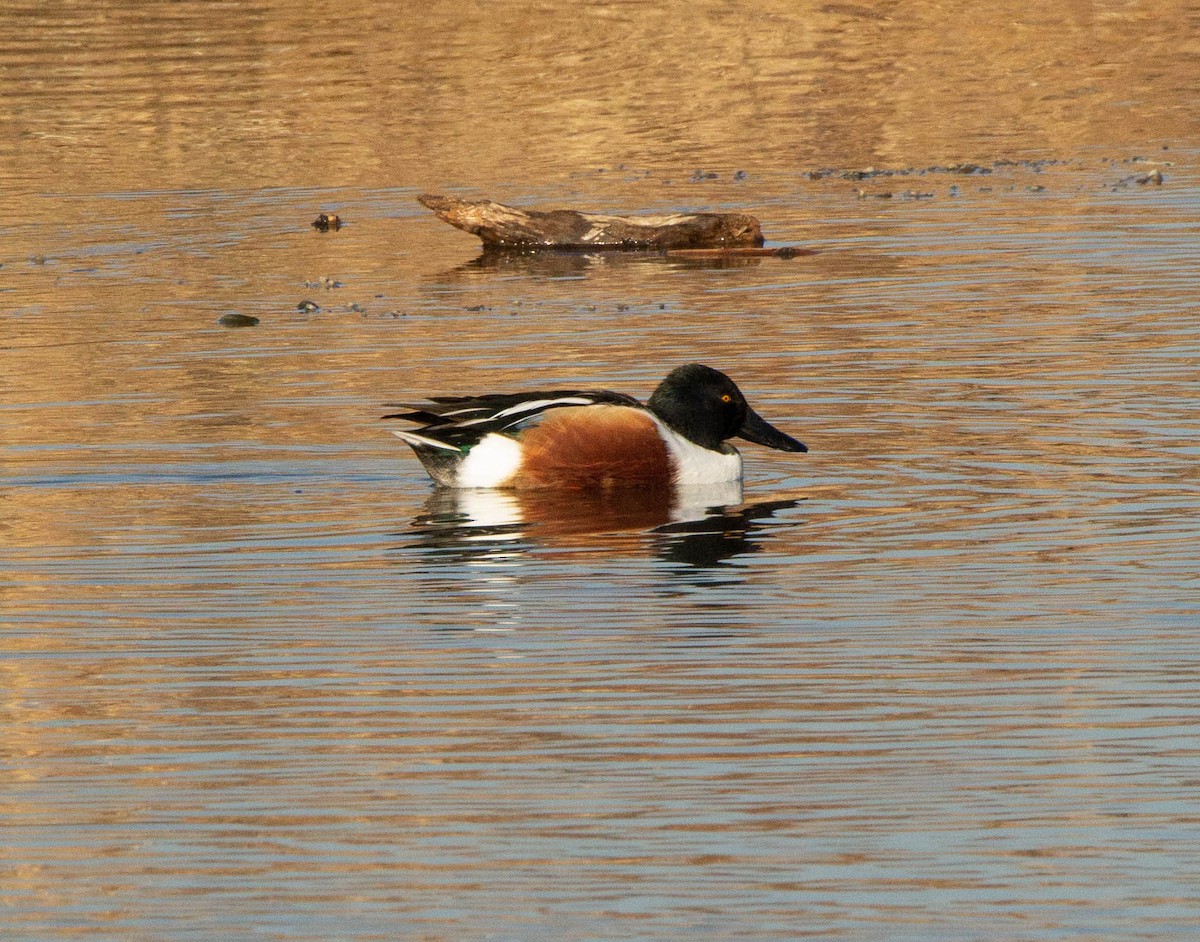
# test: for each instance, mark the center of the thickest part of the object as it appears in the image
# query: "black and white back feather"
(456, 423)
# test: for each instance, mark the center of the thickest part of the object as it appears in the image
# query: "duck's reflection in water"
(708, 541)
(700, 527)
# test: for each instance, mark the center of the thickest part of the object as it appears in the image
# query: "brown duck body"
(507, 227)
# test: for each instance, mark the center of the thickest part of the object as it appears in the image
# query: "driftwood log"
(508, 228)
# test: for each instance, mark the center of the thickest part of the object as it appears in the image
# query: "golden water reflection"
(258, 680)
(506, 97)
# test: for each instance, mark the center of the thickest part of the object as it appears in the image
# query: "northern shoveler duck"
(587, 440)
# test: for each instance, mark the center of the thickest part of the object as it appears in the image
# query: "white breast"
(695, 465)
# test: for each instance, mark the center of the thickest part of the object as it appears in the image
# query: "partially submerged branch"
(507, 227)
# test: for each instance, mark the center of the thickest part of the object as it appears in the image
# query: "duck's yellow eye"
(727, 398)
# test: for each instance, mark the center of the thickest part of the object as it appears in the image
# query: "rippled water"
(936, 679)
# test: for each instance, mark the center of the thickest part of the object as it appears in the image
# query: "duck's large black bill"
(758, 430)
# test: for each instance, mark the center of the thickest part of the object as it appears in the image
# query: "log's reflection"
(699, 527)
(559, 264)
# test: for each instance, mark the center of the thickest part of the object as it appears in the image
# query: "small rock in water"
(308, 307)
(327, 221)
(237, 320)
(968, 169)
(1155, 176)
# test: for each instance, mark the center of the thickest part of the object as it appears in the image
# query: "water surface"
(936, 679)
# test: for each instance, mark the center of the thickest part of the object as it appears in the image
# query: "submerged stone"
(237, 320)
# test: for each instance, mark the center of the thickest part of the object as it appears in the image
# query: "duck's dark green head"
(706, 407)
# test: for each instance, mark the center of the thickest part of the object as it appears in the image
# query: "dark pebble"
(237, 320)
(308, 307)
(327, 221)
